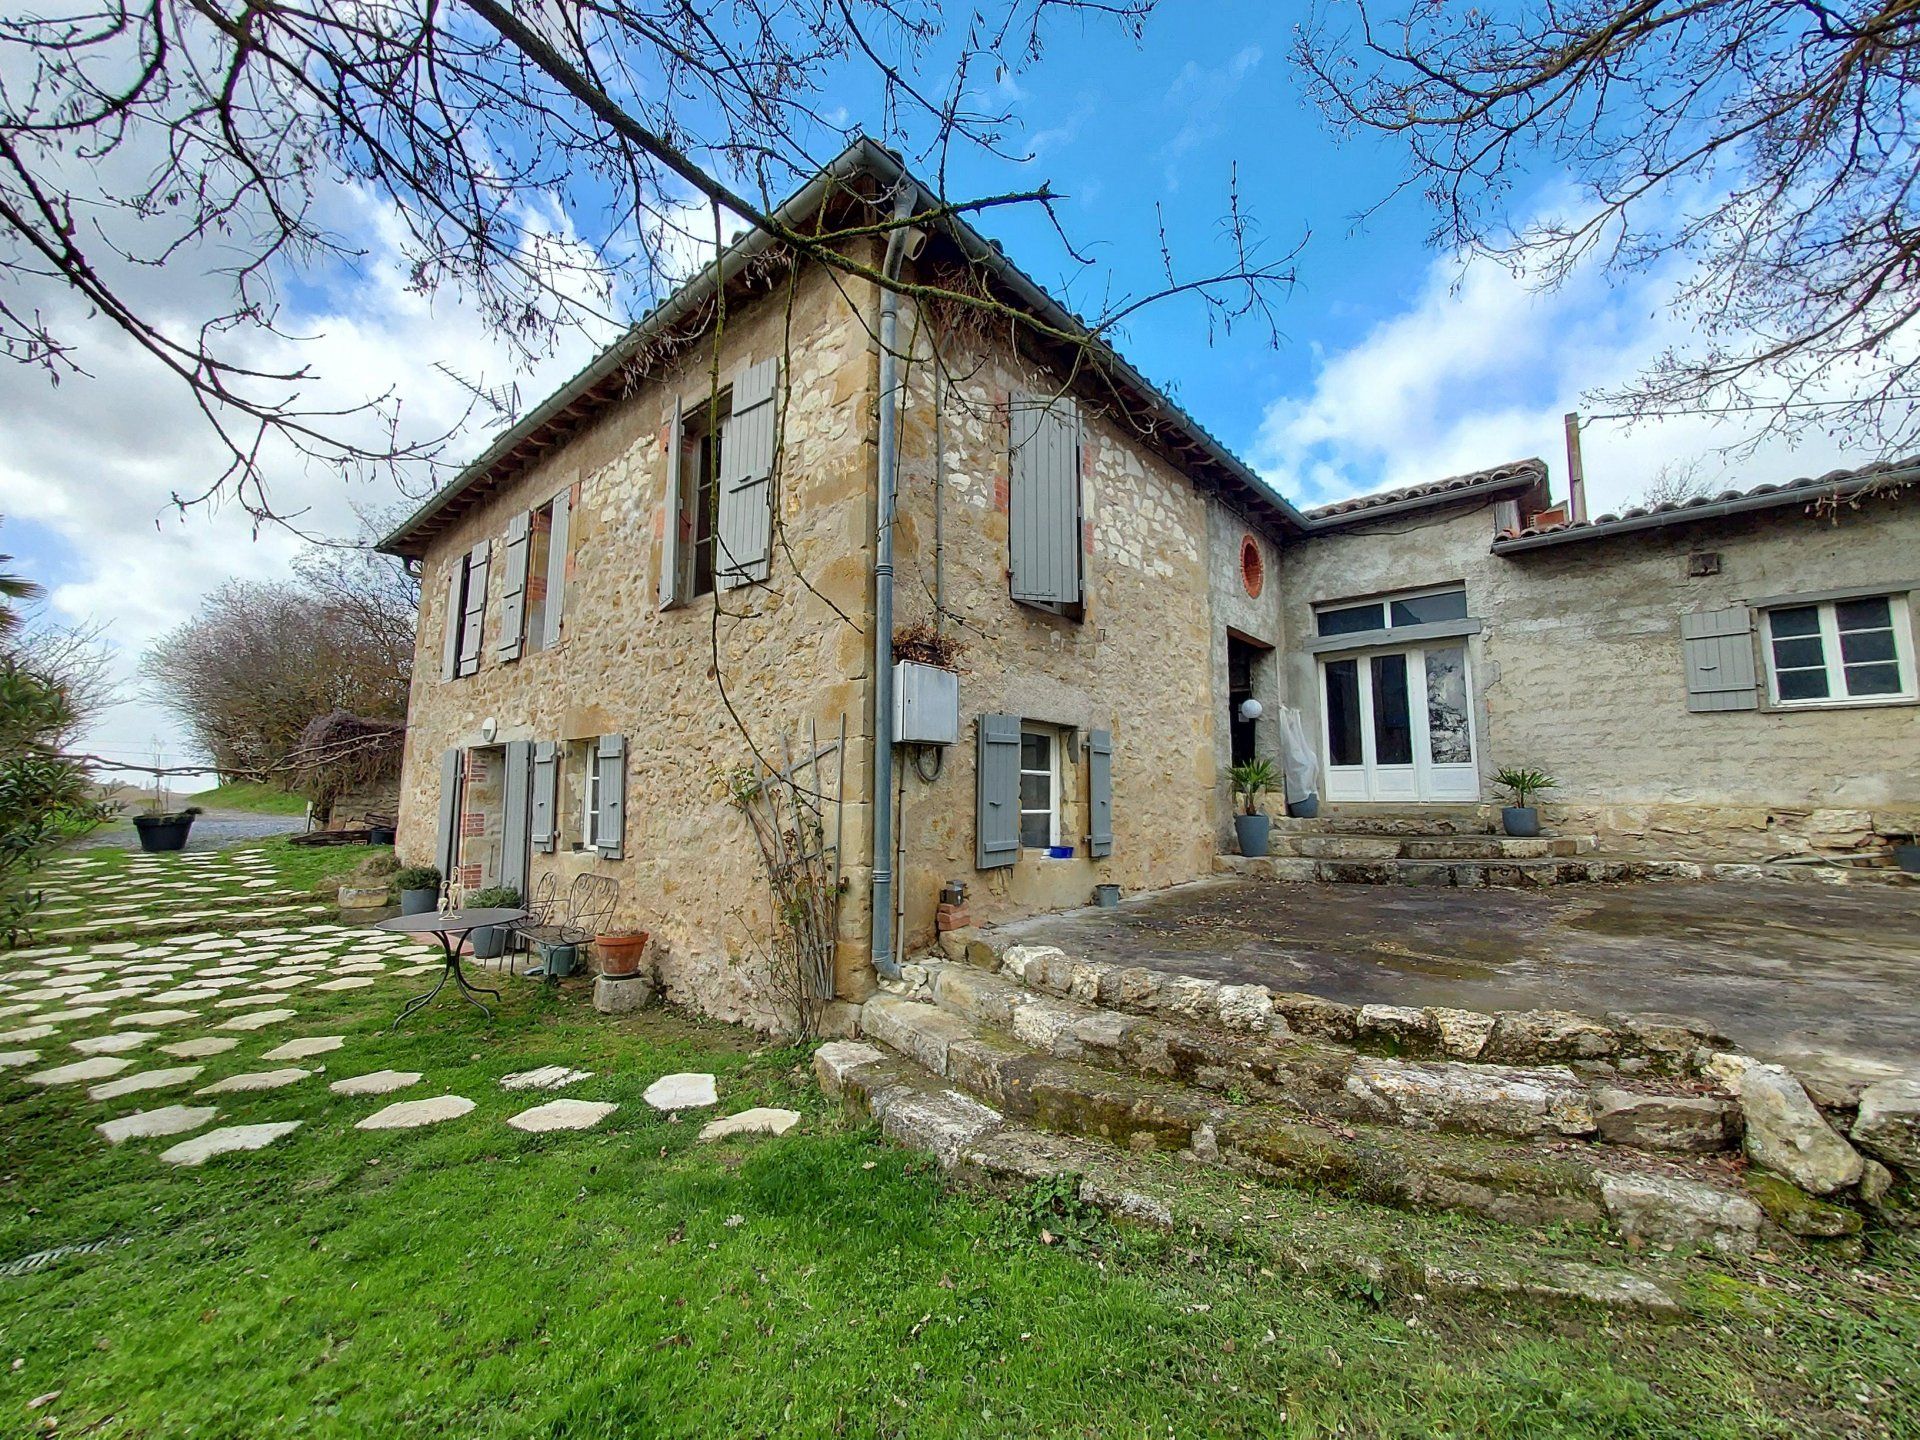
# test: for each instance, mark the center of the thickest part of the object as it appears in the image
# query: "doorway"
(1398, 724)
(1246, 661)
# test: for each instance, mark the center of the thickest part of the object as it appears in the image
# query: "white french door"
(1398, 725)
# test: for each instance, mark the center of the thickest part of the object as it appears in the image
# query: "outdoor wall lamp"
(489, 728)
(1251, 710)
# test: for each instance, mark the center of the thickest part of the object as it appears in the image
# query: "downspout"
(880, 772)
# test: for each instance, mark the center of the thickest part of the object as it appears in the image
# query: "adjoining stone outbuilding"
(667, 577)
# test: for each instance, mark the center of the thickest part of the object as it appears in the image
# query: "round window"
(1253, 570)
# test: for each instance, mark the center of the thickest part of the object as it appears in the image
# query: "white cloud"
(1202, 94)
(1480, 368)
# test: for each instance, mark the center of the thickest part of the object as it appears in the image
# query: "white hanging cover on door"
(1299, 766)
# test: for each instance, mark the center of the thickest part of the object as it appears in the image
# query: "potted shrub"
(419, 887)
(1521, 819)
(489, 942)
(1251, 780)
(161, 829)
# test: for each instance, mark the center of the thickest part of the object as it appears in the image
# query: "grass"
(249, 796)
(471, 1280)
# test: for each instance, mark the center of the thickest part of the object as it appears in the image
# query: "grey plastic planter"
(489, 942)
(418, 902)
(1907, 857)
(162, 832)
(1520, 821)
(1253, 832)
(1305, 808)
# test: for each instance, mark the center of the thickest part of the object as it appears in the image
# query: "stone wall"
(691, 873)
(1580, 672)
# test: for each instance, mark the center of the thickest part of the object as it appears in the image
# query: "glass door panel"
(1392, 721)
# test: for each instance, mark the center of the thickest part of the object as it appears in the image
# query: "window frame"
(1052, 775)
(589, 795)
(533, 636)
(1384, 604)
(1832, 660)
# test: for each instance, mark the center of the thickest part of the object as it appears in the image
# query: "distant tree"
(1763, 150)
(261, 662)
(1675, 482)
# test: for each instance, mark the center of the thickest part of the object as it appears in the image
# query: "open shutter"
(557, 566)
(676, 534)
(546, 797)
(1719, 656)
(996, 809)
(476, 607)
(1099, 793)
(745, 533)
(1043, 502)
(450, 636)
(515, 822)
(513, 604)
(610, 754)
(447, 848)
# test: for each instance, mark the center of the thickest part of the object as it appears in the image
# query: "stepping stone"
(144, 1080)
(547, 1077)
(226, 1140)
(85, 1012)
(761, 1120)
(158, 1017)
(378, 1082)
(254, 1080)
(101, 1067)
(26, 1034)
(16, 1059)
(116, 947)
(681, 1092)
(241, 1002)
(412, 1114)
(187, 994)
(200, 1048)
(7, 1012)
(562, 1115)
(258, 1020)
(283, 982)
(413, 970)
(114, 1044)
(301, 1049)
(349, 982)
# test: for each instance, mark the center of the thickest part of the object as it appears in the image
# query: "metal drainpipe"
(880, 776)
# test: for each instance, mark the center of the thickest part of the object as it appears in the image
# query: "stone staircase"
(1022, 1060)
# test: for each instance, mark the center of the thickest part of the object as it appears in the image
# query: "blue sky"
(1396, 364)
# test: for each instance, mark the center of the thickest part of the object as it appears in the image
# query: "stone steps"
(973, 1140)
(1368, 847)
(1533, 874)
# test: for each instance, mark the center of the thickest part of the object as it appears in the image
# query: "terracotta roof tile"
(1514, 470)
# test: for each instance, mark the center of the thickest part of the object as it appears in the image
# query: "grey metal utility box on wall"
(926, 704)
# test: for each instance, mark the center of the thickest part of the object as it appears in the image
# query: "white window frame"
(590, 796)
(1386, 603)
(1832, 660)
(1052, 775)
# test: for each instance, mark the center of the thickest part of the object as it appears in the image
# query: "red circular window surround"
(1253, 570)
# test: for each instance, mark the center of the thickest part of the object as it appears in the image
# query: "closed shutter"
(546, 797)
(744, 537)
(475, 613)
(557, 566)
(676, 536)
(447, 848)
(996, 809)
(513, 604)
(610, 755)
(450, 636)
(1719, 656)
(1099, 793)
(1043, 502)
(515, 826)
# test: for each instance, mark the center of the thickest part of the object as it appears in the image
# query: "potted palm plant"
(489, 942)
(1521, 819)
(1251, 780)
(419, 887)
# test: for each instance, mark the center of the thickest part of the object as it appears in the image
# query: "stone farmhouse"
(701, 548)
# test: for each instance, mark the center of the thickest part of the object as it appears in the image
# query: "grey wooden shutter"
(456, 605)
(544, 833)
(610, 755)
(447, 847)
(474, 615)
(1719, 656)
(513, 604)
(557, 566)
(744, 536)
(996, 808)
(1043, 501)
(515, 829)
(1099, 793)
(675, 542)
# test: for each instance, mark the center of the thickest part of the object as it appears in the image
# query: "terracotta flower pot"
(621, 952)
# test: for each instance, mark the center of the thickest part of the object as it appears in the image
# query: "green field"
(245, 795)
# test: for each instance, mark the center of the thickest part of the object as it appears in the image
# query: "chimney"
(1576, 472)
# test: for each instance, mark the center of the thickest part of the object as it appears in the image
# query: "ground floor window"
(1858, 650)
(589, 794)
(1039, 789)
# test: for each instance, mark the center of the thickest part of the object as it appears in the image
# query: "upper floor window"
(465, 614)
(1858, 650)
(1044, 510)
(1393, 612)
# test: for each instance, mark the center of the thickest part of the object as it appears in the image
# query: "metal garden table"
(450, 928)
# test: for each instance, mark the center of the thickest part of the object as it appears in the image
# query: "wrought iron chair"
(591, 901)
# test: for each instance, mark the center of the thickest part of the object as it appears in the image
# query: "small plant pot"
(1907, 857)
(162, 832)
(1305, 808)
(418, 902)
(558, 959)
(1060, 852)
(489, 942)
(621, 951)
(1107, 897)
(1520, 821)
(1253, 832)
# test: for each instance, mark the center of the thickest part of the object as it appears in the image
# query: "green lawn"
(472, 1281)
(250, 796)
